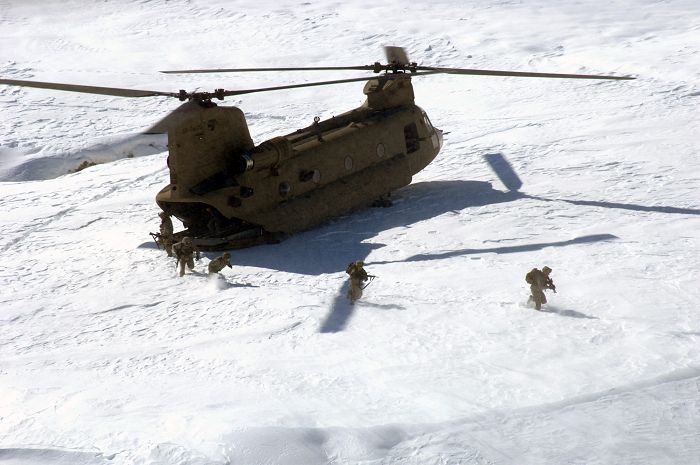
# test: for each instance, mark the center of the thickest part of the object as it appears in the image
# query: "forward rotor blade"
(115, 91)
(253, 70)
(488, 72)
(228, 93)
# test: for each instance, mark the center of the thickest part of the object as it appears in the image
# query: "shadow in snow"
(502, 250)
(624, 206)
(149, 245)
(108, 149)
(46, 455)
(341, 311)
(569, 313)
(383, 306)
(330, 248)
(685, 333)
(507, 175)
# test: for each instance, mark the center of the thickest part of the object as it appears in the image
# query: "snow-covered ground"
(108, 357)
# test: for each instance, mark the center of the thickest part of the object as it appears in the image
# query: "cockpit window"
(410, 133)
(427, 122)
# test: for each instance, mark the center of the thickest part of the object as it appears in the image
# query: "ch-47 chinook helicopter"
(230, 193)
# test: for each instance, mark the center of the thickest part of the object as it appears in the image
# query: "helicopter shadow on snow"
(330, 248)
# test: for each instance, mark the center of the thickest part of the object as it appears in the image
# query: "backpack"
(530, 277)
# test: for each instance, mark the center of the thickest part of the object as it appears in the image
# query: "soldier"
(166, 233)
(539, 281)
(184, 251)
(213, 221)
(358, 276)
(219, 263)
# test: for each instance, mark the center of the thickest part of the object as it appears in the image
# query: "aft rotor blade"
(488, 72)
(115, 91)
(249, 70)
(396, 55)
(174, 118)
(228, 93)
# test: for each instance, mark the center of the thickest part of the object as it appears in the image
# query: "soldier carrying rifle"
(165, 237)
(539, 281)
(358, 276)
(185, 251)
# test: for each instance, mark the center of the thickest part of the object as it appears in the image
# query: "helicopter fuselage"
(225, 190)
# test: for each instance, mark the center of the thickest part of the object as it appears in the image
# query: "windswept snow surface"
(108, 357)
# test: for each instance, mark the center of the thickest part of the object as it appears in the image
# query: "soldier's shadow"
(569, 313)
(342, 310)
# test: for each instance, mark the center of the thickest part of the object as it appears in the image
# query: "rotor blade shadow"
(625, 206)
(502, 250)
(36, 167)
(502, 168)
(504, 171)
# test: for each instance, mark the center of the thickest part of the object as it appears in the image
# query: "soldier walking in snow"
(184, 251)
(358, 276)
(539, 281)
(219, 263)
(166, 233)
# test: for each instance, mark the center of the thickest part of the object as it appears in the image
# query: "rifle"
(371, 278)
(156, 238)
(550, 285)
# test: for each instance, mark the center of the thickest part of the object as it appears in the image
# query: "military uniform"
(185, 251)
(166, 233)
(219, 263)
(539, 281)
(213, 221)
(358, 276)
